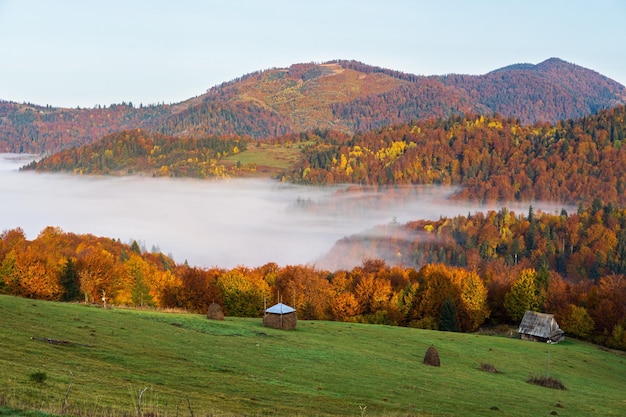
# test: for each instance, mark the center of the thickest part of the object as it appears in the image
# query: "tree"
(577, 322)
(447, 319)
(243, 294)
(139, 271)
(435, 286)
(99, 271)
(344, 305)
(372, 293)
(473, 308)
(70, 281)
(522, 296)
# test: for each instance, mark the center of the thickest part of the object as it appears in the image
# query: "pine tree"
(447, 320)
(69, 280)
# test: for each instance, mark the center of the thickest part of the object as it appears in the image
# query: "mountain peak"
(340, 95)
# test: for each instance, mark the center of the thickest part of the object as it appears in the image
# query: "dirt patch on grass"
(546, 382)
(487, 367)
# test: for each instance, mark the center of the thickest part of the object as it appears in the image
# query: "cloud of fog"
(211, 223)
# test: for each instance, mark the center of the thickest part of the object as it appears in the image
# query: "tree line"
(64, 266)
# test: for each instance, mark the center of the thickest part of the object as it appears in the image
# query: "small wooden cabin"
(540, 327)
(280, 316)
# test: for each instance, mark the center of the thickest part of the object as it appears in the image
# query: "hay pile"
(215, 312)
(432, 357)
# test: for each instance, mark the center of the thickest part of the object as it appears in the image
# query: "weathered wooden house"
(280, 316)
(540, 327)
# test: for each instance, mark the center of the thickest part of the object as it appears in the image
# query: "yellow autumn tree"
(472, 309)
(523, 295)
(243, 293)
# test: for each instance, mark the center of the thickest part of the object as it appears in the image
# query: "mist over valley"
(221, 223)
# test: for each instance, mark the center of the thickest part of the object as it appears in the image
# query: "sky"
(70, 53)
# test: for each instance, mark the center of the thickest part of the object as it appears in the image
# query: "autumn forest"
(462, 273)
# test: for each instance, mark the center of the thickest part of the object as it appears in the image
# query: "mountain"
(346, 96)
(550, 91)
(37, 129)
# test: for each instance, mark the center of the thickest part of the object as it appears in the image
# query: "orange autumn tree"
(33, 269)
(439, 283)
(305, 289)
(343, 303)
(100, 273)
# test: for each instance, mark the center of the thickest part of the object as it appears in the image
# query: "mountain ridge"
(342, 95)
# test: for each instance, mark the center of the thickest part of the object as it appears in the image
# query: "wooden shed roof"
(540, 325)
(280, 308)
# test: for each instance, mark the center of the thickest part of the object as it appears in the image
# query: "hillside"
(28, 128)
(346, 96)
(142, 152)
(549, 91)
(571, 265)
(238, 367)
(493, 159)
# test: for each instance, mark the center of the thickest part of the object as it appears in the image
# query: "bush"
(38, 377)
(428, 323)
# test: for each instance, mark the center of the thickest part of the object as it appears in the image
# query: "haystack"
(215, 312)
(280, 316)
(432, 357)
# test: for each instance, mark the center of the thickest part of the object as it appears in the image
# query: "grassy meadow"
(269, 159)
(187, 365)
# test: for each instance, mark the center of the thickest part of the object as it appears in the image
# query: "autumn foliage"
(140, 152)
(83, 268)
(491, 159)
(347, 96)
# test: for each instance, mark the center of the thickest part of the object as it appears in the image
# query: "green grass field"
(188, 364)
(268, 159)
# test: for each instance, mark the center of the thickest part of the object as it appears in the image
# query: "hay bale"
(281, 321)
(215, 312)
(432, 357)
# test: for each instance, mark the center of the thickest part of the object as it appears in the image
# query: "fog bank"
(212, 223)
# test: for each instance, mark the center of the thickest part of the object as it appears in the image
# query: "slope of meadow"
(187, 365)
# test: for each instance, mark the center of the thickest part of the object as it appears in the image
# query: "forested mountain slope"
(346, 96)
(142, 152)
(492, 159)
(28, 128)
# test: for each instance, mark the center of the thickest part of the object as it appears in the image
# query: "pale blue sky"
(81, 53)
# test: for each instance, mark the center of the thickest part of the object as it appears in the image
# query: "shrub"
(38, 377)
(428, 323)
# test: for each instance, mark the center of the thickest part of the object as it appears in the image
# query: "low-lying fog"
(211, 223)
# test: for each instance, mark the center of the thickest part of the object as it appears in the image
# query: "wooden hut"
(215, 312)
(540, 327)
(280, 316)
